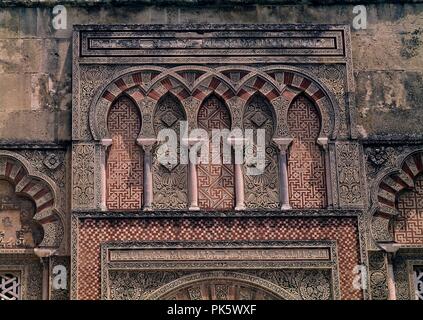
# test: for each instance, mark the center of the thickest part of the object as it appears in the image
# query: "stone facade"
(336, 214)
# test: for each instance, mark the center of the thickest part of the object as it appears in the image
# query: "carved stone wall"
(83, 176)
(306, 165)
(350, 174)
(58, 86)
(254, 83)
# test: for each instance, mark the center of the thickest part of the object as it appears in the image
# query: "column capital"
(45, 252)
(146, 143)
(283, 143)
(323, 142)
(106, 142)
(389, 247)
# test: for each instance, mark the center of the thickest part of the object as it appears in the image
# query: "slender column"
(239, 187)
(46, 278)
(283, 144)
(192, 181)
(44, 255)
(323, 142)
(147, 145)
(237, 144)
(187, 144)
(105, 143)
(392, 295)
(391, 249)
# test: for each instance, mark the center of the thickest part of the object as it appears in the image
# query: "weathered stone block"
(14, 92)
(9, 23)
(389, 103)
(28, 126)
(10, 55)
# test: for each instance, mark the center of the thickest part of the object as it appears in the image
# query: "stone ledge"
(214, 3)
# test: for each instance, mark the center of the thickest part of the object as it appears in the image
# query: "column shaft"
(192, 185)
(148, 179)
(239, 188)
(283, 181)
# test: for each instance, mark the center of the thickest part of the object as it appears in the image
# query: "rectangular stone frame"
(203, 265)
(410, 270)
(87, 51)
(404, 261)
(23, 274)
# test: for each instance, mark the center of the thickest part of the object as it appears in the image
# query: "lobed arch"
(43, 192)
(388, 186)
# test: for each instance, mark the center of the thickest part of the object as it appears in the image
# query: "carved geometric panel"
(378, 276)
(169, 179)
(83, 164)
(408, 226)
(350, 185)
(124, 167)
(215, 181)
(306, 166)
(10, 286)
(261, 191)
(181, 284)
